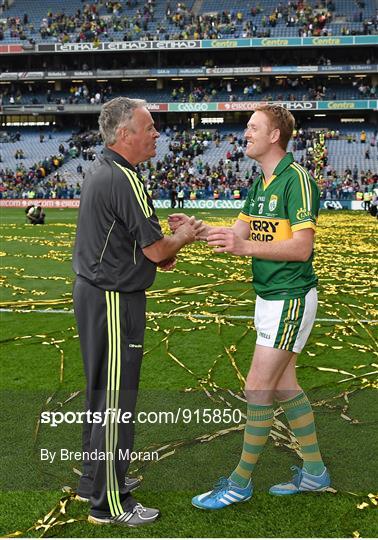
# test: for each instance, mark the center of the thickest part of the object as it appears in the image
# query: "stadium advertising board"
(201, 107)
(75, 203)
(192, 107)
(9, 76)
(157, 107)
(240, 105)
(330, 204)
(206, 204)
(357, 205)
(12, 49)
(318, 41)
(184, 72)
(125, 46)
(225, 43)
(191, 71)
(46, 203)
(252, 105)
(348, 104)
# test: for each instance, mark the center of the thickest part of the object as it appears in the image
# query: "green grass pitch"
(198, 348)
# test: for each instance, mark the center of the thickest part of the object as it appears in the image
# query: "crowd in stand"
(334, 185)
(97, 20)
(43, 179)
(185, 167)
(285, 89)
(177, 170)
(347, 185)
(30, 183)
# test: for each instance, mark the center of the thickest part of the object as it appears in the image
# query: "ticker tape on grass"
(280, 433)
(182, 315)
(56, 517)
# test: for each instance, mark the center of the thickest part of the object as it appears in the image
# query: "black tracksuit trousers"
(111, 328)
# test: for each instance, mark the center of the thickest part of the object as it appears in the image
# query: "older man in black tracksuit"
(119, 243)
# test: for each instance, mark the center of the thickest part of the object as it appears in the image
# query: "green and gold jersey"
(287, 202)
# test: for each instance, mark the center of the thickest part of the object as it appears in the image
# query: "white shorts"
(285, 324)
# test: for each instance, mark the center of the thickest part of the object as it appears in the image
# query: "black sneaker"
(138, 516)
(130, 483)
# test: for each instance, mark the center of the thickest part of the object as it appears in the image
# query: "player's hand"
(203, 232)
(176, 220)
(168, 264)
(226, 241)
(189, 229)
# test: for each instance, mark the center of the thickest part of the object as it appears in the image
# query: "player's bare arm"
(298, 248)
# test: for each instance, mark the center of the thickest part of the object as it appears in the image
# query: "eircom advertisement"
(201, 204)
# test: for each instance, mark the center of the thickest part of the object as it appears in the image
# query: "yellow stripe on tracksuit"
(138, 189)
(112, 396)
(305, 186)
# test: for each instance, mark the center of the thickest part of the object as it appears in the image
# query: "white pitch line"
(161, 314)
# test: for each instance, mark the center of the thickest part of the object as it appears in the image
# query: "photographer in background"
(35, 215)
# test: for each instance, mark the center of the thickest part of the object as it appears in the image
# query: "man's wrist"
(249, 248)
(182, 237)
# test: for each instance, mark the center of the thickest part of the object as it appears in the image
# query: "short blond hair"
(282, 119)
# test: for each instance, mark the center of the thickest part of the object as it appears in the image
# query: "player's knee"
(260, 382)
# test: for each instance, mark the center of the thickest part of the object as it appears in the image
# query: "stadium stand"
(209, 164)
(288, 89)
(159, 19)
(336, 83)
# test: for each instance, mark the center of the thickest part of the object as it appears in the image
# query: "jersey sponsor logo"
(262, 230)
(262, 237)
(273, 203)
(264, 335)
(135, 346)
(267, 230)
(265, 225)
(303, 214)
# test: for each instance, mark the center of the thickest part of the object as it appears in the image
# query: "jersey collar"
(114, 156)
(285, 162)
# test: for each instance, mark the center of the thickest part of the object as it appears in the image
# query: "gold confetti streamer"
(219, 285)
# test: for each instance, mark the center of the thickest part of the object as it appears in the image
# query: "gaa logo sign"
(192, 107)
(333, 205)
(273, 203)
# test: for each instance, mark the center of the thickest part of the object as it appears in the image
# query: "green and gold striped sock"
(256, 433)
(299, 414)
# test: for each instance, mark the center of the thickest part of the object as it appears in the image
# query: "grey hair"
(117, 113)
